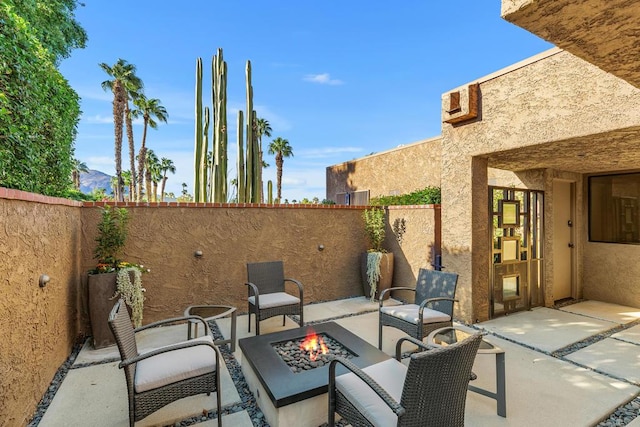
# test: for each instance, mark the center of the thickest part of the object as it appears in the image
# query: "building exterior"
(539, 166)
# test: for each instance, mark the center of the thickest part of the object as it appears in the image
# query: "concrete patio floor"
(557, 373)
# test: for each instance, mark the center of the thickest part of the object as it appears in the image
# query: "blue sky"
(338, 80)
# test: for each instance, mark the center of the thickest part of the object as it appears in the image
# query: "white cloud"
(323, 79)
(98, 119)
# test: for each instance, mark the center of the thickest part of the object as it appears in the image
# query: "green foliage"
(327, 202)
(39, 111)
(374, 227)
(426, 196)
(112, 235)
(74, 194)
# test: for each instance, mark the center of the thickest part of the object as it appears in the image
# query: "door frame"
(572, 237)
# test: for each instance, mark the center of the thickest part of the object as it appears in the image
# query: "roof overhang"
(603, 32)
(617, 150)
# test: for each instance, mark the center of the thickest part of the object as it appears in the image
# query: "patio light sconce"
(321, 247)
(43, 280)
(198, 254)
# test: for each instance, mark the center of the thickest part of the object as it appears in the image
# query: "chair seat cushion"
(409, 313)
(173, 366)
(275, 299)
(390, 375)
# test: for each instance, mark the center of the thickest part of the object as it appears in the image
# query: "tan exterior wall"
(165, 239)
(38, 325)
(552, 98)
(56, 237)
(419, 245)
(401, 170)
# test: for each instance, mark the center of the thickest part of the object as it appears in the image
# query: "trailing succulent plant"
(374, 226)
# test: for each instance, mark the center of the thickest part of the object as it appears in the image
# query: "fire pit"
(299, 398)
(310, 352)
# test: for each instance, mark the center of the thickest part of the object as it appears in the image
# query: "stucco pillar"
(464, 233)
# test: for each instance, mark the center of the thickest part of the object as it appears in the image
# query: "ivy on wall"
(39, 111)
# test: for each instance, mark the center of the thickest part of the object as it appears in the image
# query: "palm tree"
(151, 160)
(166, 165)
(156, 177)
(124, 79)
(263, 128)
(281, 148)
(148, 109)
(126, 181)
(78, 167)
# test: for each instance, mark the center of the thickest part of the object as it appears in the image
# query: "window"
(613, 208)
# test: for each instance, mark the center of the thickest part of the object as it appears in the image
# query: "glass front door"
(517, 243)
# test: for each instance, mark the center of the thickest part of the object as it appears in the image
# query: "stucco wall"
(553, 98)
(397, 171)
(165, 239)
(38, 325)
(611, 273)
(419, 245)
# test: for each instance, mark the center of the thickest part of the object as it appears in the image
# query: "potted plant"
(113, 278)
(376, 263)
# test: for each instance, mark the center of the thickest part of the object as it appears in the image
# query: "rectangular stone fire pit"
(297, 399)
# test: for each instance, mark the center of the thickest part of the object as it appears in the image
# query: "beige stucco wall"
(38, 325)
(398, 171)
(555, 97)
(165, 239)
(419, 245)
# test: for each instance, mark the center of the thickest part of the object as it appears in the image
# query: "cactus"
(206, 185)
(240, 162)
(249, 165)
(219, 98)
(200, 152)
(249, 169)
(270, 192)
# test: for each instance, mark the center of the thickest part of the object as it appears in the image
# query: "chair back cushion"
(267, 276)
(433, 284)
(435, 388)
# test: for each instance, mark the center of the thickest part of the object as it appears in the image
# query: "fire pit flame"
(314, 345)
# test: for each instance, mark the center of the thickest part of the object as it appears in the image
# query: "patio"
(572, 365)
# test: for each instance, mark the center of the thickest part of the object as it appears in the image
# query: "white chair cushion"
(275, 299)
(409, 313)
(172, 366)
(390, 374)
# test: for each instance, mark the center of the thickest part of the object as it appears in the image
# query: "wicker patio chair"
(432, 308)
(267, 296)
(166, 374)
(430, 392)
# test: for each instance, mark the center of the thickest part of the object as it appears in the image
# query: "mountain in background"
(93, 179)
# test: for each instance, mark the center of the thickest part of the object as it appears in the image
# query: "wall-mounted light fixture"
(198, 254)
(43, 280)
(321, 247)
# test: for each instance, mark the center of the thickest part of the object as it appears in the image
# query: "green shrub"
(39, 111)
(426, 196)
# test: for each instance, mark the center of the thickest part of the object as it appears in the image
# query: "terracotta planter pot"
(386, 275)
(101, 288)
